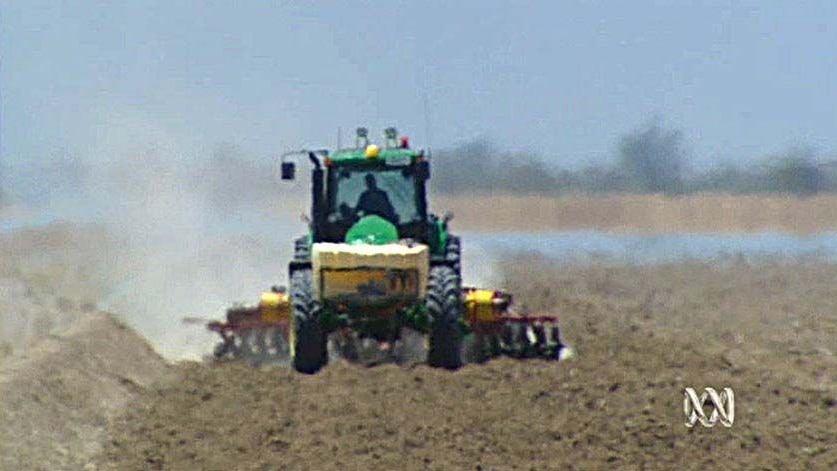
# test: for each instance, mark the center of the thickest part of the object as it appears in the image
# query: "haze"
(561, 80)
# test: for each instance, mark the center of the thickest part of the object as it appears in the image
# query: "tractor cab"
(370, 194)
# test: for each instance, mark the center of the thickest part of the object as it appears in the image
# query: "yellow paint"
(275, 306)
(388, 258)
(369, 282)
(479, 304)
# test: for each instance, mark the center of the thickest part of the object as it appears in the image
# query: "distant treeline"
(652, 159)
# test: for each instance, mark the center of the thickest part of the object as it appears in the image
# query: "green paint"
(359, 155)
(417, 318)
(330, 320)
(464, 327)
(442, 242)
(373, 230)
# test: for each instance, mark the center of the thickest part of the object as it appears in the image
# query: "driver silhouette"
(375, 201)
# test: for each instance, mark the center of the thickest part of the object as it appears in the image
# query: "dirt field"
(644, 213)
(766, 329)
(66, 369)
(58, 399)
(93, 395)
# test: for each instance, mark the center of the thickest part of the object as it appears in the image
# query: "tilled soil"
(57, 401)
(607, 410)
(643, 213)
(66, 368)
(643, 333)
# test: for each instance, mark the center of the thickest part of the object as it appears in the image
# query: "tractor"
(374, 266)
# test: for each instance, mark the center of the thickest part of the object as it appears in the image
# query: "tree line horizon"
(650, 159)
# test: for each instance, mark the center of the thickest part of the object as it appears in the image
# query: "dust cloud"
(195, 226)
(189, 244)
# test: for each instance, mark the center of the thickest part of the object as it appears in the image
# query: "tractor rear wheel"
(453, 253)
(301, 251)
(308, 341)
(445, 306)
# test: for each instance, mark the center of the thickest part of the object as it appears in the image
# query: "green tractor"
(374, 265)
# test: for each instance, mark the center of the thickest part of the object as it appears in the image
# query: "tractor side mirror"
(288, 171)
(423, 170)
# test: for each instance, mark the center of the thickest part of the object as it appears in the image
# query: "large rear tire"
(308, 341)
(445, 306)
(453, 254)
(301, 251)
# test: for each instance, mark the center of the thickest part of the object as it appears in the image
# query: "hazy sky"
(563, 79)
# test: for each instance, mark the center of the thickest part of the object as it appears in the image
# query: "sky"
(563, 80)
